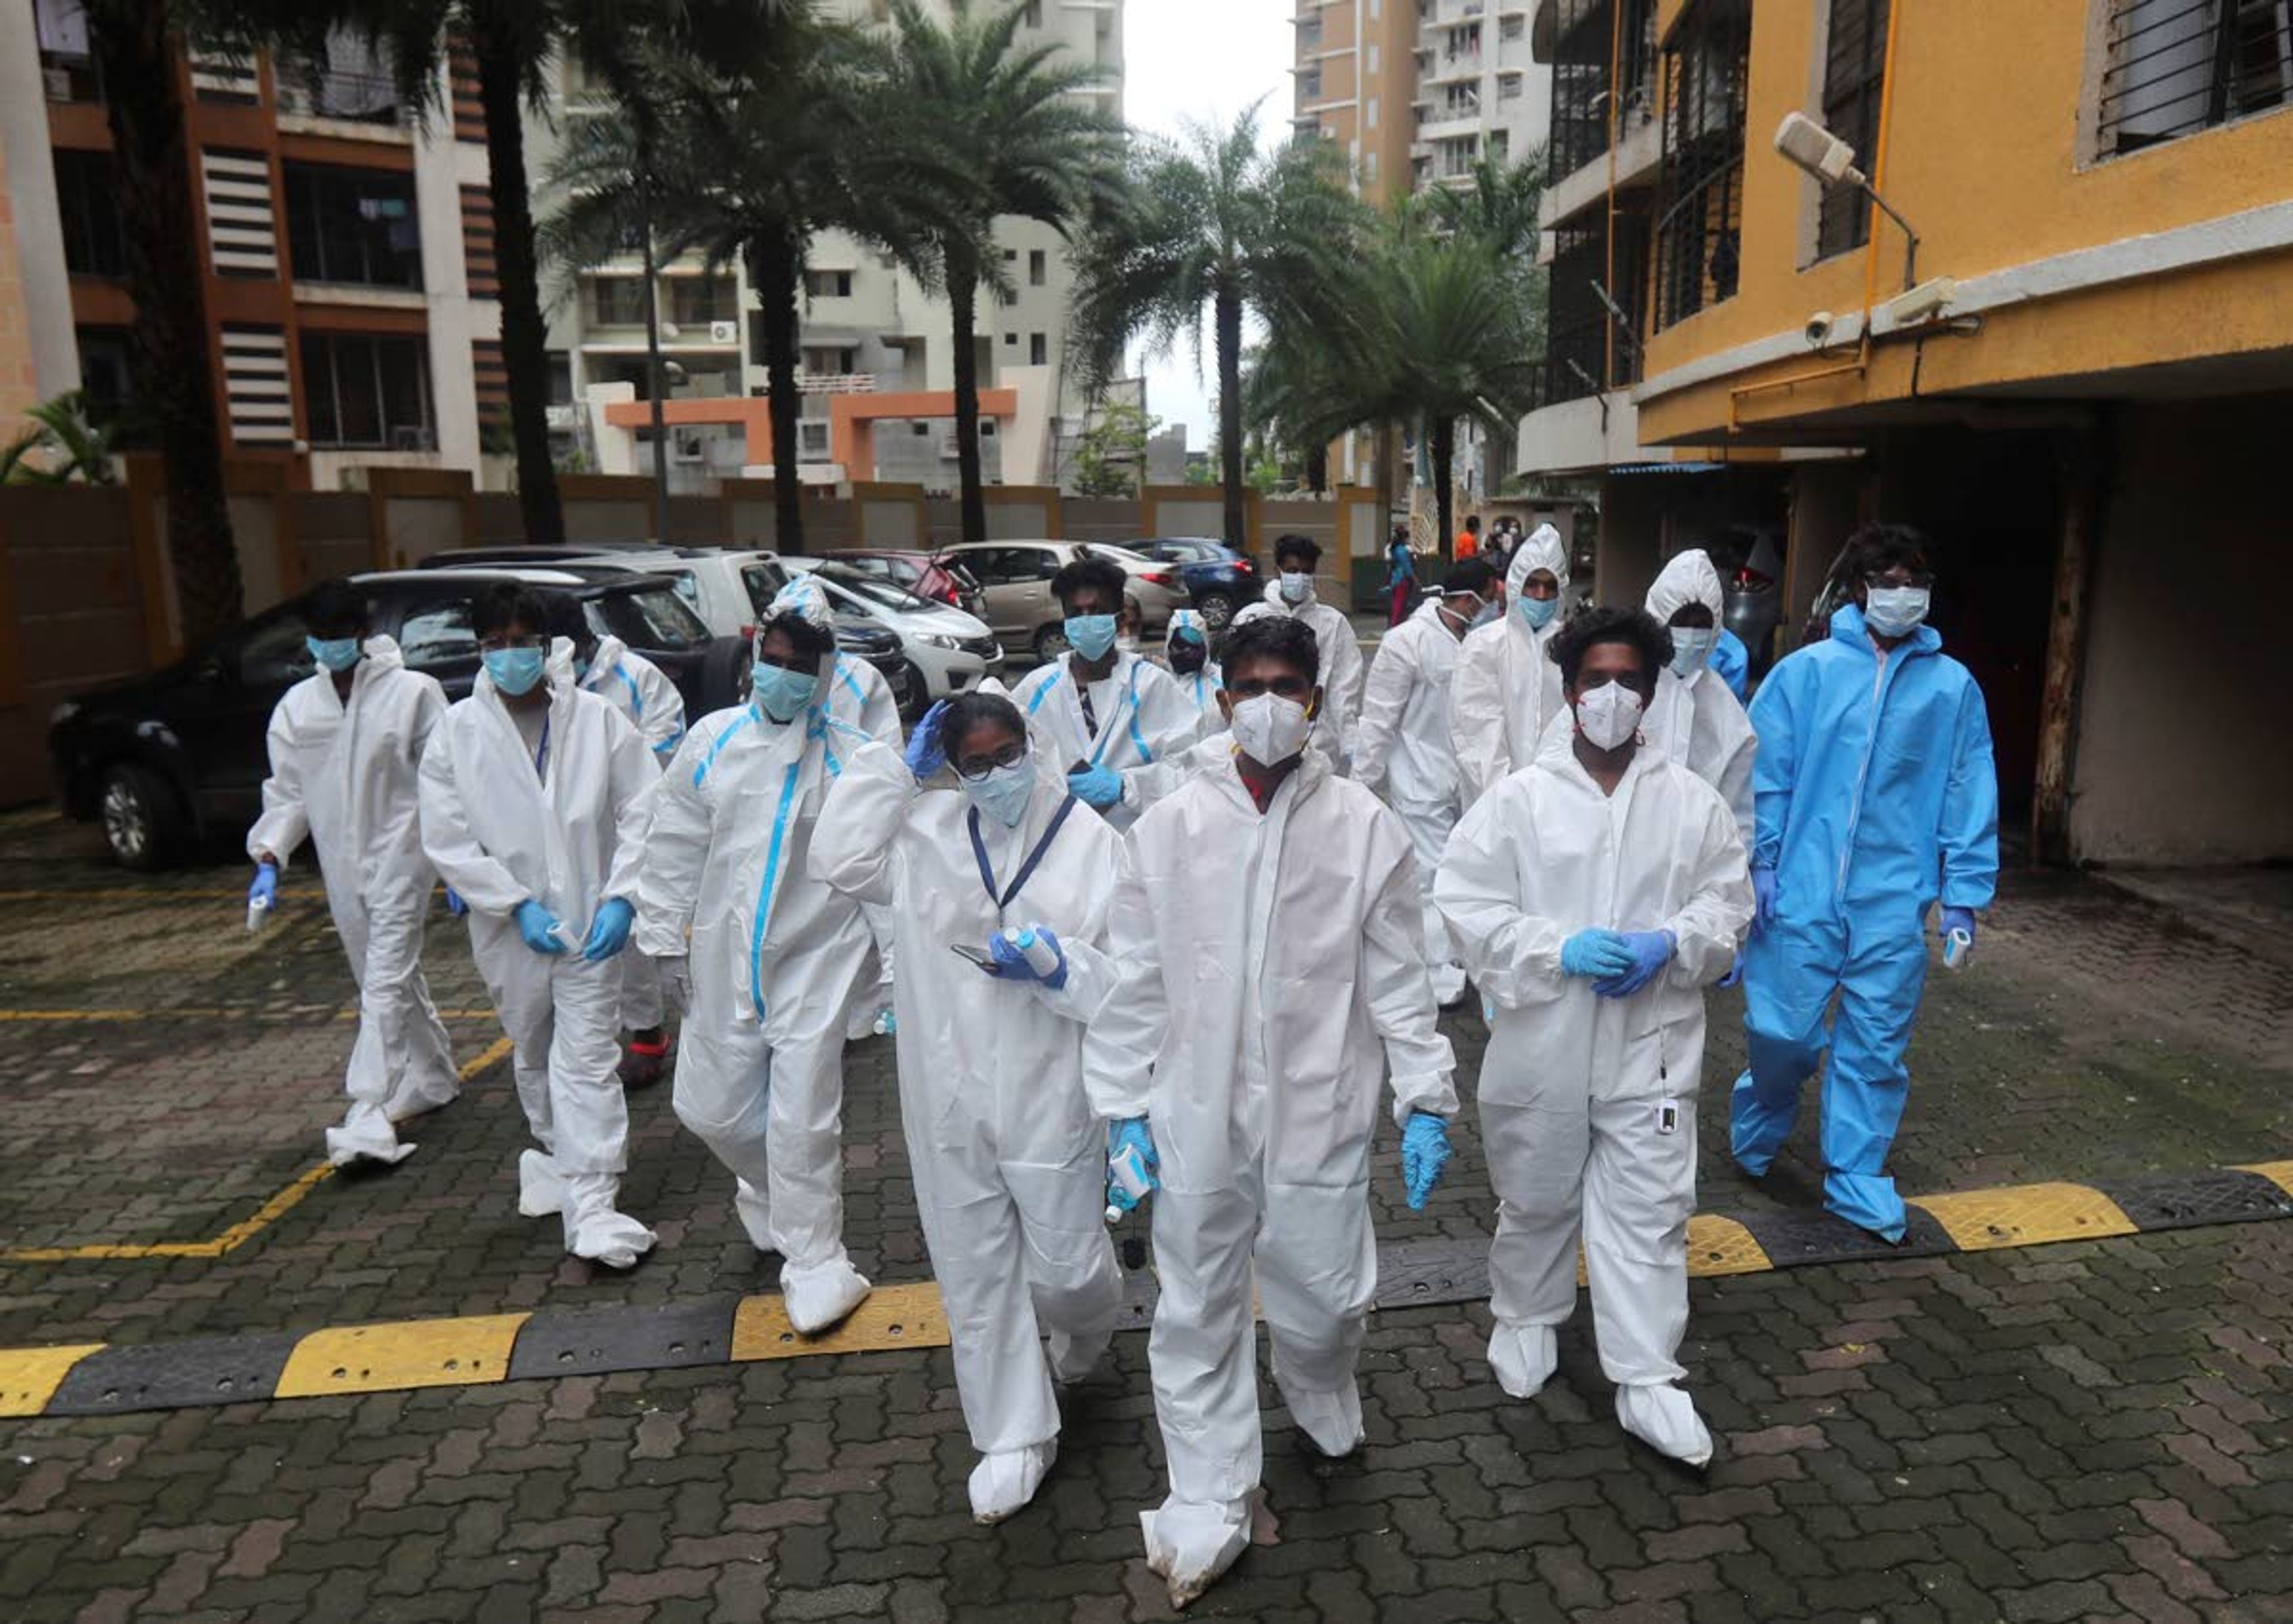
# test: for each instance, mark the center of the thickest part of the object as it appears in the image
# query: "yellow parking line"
(239, 1234)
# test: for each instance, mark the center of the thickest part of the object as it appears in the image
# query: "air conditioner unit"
(723, 332)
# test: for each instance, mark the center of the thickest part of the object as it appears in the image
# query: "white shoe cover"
(540, 1186)
(754, 1209)
(415, 1101)
(819, 1297)
(1523, 1356)
(1071, 1360)
(1448, 985)
(1001, 1484)
(1190, 1544)
(1664, 1418)
(1331, 1421)
(594, 1229)
(366, 1135)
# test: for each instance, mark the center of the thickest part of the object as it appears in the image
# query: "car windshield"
(873, 589)
(649, 617)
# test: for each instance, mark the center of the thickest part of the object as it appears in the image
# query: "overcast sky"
(1202, 58)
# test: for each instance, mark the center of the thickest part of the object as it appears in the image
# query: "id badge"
(1667, 1117)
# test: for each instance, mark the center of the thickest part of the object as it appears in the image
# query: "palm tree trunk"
(524, 339)
(173, 375)
(774, 268)
(963, 303)
(1228, 309)
(1444, 454)
(654, 382)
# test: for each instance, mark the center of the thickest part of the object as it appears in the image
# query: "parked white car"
(949, 650)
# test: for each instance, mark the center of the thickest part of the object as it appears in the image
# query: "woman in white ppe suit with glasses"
(1594, 897)
(1507, 689)
(1270, 969)
(972, 835)
(534, 807)
(775, 954)
(1696, 718)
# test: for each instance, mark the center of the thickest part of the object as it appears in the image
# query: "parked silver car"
(1015, 576)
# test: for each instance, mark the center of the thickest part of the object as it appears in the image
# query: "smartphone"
(980, 956)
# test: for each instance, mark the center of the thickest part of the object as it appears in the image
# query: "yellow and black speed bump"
(89, 1379)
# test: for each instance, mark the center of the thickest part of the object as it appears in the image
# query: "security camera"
(1817, 331)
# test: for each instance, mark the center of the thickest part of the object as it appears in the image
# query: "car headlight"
(941, 640)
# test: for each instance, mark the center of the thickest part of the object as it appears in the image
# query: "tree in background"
(64, 444)
(1212, 223)
(1110, 456)
(1026, 140)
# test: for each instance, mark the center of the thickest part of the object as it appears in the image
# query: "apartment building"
(2077, 377)
(347, 260)
(869, 329)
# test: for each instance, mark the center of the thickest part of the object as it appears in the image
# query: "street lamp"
(1809, 147)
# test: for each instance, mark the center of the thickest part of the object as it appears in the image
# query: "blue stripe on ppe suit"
(1876, 795)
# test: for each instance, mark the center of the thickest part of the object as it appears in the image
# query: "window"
(695, 302)
(651, 618)
(828, 284)
(370, 391)
(763, 582)
(1500, 146)
(89, 201)
(438, 634)
(617, 302)
(1039, 350)
(1510, 27)
(812, 442)
(1854, 62)
(827, 360)
(104, 372)
(1039, 267)
(560, 378)
(1309, 33)
(1033, 16)
(2175, 67)
(352, 225)
(1309, 85)
(1010, 341)
(274, 653)
(1700, 222)
(1584, 34)
(1509, 86)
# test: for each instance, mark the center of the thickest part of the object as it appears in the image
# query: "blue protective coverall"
(1875, 797)
(1733, 661)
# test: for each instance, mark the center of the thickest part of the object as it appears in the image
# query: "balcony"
(341, 97)
(835, 383)
(1581, 93)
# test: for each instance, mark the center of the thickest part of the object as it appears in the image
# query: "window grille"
(1700, 222)
(1855, 60)
(2176, 67)
(1580, 76)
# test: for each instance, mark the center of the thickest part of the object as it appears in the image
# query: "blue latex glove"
(1651, 952)
(609, 931)
(1098, 786)
(1959, 920)
(927, 746)
(455, 906)
(1595, 953)
(1424, 1153)
(1012, 964)
(1735, 972)
(538, 926)
(266, 889)
(1131, 1133)
(1763, 897)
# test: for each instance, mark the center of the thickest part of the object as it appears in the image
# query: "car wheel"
(1217, 608)
(141, 820)
(1050, 643)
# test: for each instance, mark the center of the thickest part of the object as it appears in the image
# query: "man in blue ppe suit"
(1876, 797)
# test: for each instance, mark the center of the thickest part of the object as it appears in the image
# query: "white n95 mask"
(1270, 729)
(1607, 714)
(1894, 612)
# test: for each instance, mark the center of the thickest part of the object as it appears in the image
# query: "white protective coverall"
(642, 691)
(1697, 720)
(775, 957)
(1340, 672)
(567, 836)
(1271, 966)
(1150, 719)
(1588, 1104)
(1507, 689)
(348, 775)
(1403, 742)
(1008, 1160)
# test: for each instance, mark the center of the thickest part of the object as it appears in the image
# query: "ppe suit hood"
(1542, 550)
(610, 651)
(384, 654)
(1689, 579)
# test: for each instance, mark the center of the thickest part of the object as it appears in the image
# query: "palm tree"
(1214, 222)
(1030, 144)
(746, 158)
(63, 443)
(1498, 204)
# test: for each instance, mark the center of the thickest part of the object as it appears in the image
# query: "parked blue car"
(1218, 579)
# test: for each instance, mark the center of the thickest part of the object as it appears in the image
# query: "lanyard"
(1026, 869)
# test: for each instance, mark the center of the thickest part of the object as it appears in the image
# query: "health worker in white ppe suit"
(642, 691)
(1404, 741)
(1695, 717)
(1271, 953)
(1507, 689)
(346, 746)
(1595, 896)
(1186, 652)
(1099, 713)
(533, 811)
(973, 835)
(1291, 593)
(775, 955)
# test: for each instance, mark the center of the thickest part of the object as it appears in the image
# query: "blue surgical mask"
(1895, 611)
(514, 670)
(335, 653)
(781, 693)
(1691, 648)
(1484, 615)
(1538, 612)
(1090, 635)
(1297, 587)
(1004, 793)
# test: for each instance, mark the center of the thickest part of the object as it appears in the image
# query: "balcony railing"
(835, 383)
(2176, 67)
(1581, 92)
(361, 97)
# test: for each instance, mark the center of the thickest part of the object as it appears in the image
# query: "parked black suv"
(169, 759)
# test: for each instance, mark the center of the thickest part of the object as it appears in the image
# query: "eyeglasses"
(979, 766)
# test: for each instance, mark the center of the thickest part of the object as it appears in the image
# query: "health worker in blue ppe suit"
(765, 957)
(1098, 711)
(1733, 663)
(1876, 798)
